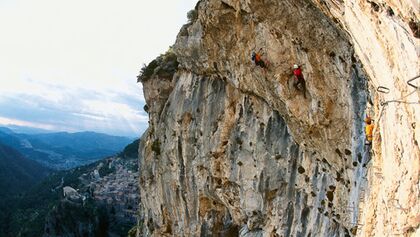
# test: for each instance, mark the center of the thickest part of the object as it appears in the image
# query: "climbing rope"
(385, 90)
(400, 100)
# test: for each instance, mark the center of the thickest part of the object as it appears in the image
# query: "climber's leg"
(295, 84)
(367, 155)
(302, 82)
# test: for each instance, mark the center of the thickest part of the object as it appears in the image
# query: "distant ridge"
(25, 129)
(63, 150)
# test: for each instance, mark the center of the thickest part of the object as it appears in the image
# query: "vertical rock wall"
(225, 161)
(236, 150)
(386, 38)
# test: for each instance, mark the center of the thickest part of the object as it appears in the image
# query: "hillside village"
(107, 193)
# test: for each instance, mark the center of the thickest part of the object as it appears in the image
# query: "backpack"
(253, 56)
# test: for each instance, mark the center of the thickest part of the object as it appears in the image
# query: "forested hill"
(17, 173)
(106, 203)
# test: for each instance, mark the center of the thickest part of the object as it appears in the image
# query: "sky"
(72, 65)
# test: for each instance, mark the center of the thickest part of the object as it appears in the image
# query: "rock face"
(386, 36)
(233, 149)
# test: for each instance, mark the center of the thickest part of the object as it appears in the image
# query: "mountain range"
(63, 150)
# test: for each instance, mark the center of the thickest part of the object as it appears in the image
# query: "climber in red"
(299, 80)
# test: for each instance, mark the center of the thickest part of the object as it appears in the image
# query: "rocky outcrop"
(233, 149)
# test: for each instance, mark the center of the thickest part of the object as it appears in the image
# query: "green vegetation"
(148, 70)
(134, 167)
(163, 66)
(64, 150)
(24, 211)
(156, 147)
(105, 170)
(131, 150)
(192, 15)
(43, 202)
(71, 217)
(17, 174)
(132, 232)
(28, 215)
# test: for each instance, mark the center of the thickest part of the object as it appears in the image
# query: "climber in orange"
(369, 130)
(299, 80)
(256, 57)
(369, 137)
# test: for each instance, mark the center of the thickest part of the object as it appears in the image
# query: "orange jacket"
(369, 131)
(257, 57)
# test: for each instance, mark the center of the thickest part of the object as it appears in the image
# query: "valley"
(62, 150)
(105, 194)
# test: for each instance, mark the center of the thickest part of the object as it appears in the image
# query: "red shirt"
(297, 72)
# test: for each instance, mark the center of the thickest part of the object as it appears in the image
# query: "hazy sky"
(72, 65)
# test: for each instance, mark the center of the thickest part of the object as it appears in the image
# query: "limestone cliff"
(233, 149)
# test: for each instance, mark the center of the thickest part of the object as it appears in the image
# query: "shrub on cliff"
(163, 66)
(131, 150)
(156, 147)
(192, 15)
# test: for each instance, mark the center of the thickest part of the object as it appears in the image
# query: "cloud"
(72, 65)
(7, 121)
(55, 108)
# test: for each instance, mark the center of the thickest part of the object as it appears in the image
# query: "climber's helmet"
(295, 66)
(368, 120)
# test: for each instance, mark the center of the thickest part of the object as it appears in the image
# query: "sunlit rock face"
(386, 38)
(234, 150)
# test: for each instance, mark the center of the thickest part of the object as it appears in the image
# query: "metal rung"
(379, 175)
(383, 89)
(412, 79)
